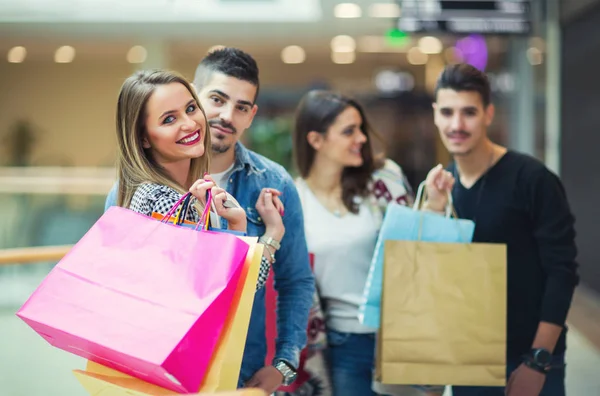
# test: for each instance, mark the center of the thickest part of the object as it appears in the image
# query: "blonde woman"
(162, 136)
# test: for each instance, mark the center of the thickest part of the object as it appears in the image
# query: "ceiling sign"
(465, 16)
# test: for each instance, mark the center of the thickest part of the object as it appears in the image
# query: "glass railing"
(40, 207)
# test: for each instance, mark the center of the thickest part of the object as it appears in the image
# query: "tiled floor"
(31, 367)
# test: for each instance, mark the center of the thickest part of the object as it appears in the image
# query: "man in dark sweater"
(514, 200)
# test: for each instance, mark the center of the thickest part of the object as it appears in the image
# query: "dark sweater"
(520, 203)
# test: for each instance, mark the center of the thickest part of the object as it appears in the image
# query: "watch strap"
(532, 365)
(533, 361)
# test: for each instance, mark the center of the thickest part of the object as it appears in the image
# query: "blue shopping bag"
(402, 223)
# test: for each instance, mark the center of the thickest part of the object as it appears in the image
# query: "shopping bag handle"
(171, 211)
(185, 198)
(205, 218)
(422, 196)
(182, 213)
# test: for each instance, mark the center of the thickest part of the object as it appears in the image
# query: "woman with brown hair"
(163, 136)
(344, 190)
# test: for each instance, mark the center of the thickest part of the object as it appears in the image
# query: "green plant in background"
(272, 137)
(19, 142)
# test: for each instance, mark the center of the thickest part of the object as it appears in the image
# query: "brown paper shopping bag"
(443, 314)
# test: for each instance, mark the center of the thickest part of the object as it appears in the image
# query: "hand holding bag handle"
(450, 211)
(204, 218)
(422, 197)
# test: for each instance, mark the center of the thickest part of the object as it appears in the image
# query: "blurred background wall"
(63, 62)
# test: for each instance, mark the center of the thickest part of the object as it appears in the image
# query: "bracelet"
(271, 253)
(274, 243)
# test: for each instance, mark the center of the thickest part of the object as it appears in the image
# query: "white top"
(222, 178)
(343, 248)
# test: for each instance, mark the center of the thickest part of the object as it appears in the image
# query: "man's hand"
(525, 381)
(267, 378)
(438, 184)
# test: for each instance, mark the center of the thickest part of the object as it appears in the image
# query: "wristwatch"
(539, 359)
(287, 371)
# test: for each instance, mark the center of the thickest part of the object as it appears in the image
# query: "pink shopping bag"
(140, 296)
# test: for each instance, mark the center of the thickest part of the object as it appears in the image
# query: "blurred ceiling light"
(430, 45)
(453, 55)
(390, 81)
(538, 42)
(347, 10)
(215, 48)
(17, 54)
(384, 10)
(379, 44)
(416, 57)
(137, 54)
(343, 44)
(397, 38)
(469, 45)
(534, 55)
(343, 58)
(64, 54)
(502, 82)
(293, 54)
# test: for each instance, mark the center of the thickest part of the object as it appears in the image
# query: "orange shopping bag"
(123, 385)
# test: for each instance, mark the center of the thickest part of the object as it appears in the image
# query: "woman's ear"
(145, 143)
(315, 139)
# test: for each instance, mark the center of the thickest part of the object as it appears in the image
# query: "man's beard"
(220, 147)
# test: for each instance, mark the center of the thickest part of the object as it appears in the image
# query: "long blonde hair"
(135, 165)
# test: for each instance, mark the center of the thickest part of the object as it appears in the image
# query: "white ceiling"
(240, 19)
(178, 11)
(243, 20)
(184, 25)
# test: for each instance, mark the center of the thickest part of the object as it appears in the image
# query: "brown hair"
(465, 77)
(317, 111)
(135, 165)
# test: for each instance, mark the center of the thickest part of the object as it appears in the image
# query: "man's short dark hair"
(232, 62)
(464, 77)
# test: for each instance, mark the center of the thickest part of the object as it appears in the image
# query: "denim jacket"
(294, 281)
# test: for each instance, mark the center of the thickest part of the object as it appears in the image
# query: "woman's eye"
(191, 108)
(169, 120)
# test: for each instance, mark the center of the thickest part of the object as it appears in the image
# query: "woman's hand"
(271, 210)
(235, 216)
(438, 184)
(201, 187)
